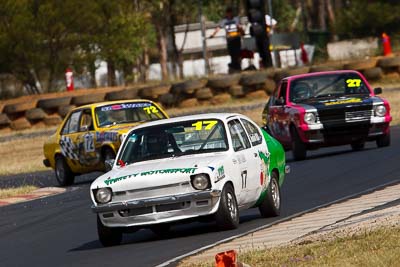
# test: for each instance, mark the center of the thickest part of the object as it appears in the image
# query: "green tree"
(361, 18)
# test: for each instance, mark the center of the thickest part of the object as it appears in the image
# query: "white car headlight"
(201, 181)
(310, 117)
(380, 110)
(103, 195)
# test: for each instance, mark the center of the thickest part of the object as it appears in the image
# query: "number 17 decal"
(244, 179)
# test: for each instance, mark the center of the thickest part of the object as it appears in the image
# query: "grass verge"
(379, 247)
(22, 155)
(16, 191)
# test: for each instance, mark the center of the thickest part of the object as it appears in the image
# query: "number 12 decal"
(244, 179)
(89, 142)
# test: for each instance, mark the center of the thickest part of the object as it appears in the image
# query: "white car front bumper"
(158, 210)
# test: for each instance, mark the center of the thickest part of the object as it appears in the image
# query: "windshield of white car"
(129, 112)
(327, 86)
(174, 140)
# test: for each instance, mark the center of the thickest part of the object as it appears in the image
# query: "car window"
(253, 132)
(327, 86)
(174, 139)
(283, 91)
(238, 135)
(129, 112)
(86, 121)
(72, 124)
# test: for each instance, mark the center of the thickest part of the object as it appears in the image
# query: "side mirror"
(280, 101)
(84, 128)
(109, 164)
(378, 91)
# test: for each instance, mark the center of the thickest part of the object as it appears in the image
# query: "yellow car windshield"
(120, 113)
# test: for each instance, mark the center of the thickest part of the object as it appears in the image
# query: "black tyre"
(358, 145)
(4, 120)
(122, 94)
(253, 78)
(64, 174)
(161, 230)
(389, 62)
(271, 205)
(88, 99)
(35, 114)
(227, 215)
(223, 81)
(299, 149)
(107, 154)
(53, 103)
(108, 236)
(383, 140)
(373, 73)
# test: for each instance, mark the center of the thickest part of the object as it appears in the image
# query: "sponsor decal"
(106, 136)
(110, 180)
(125, 106)
(344, 101)
(68, 148)
(220, 174)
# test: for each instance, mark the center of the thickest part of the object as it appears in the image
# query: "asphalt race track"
(61, 230)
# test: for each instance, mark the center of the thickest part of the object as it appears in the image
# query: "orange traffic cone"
(228, 259)
(387, 48)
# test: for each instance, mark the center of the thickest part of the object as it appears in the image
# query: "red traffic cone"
(387, 48)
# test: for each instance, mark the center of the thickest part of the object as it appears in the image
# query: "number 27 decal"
(353, 82)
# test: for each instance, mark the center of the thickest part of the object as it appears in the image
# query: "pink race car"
(327, 109)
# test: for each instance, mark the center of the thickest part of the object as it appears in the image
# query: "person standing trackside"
(234, 32)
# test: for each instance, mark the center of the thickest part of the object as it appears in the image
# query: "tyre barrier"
(215, 90)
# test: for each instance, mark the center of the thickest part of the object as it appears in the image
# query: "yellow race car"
(92, 134)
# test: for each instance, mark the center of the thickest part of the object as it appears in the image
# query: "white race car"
(202, 166)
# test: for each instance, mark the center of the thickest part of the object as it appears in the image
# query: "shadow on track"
(178, 231)
(325, 154)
